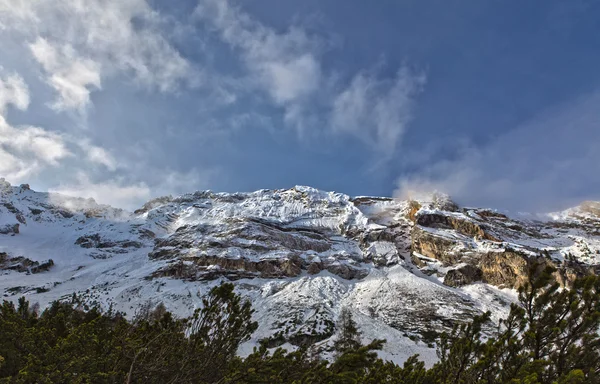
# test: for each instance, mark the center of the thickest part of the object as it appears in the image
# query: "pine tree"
(550, 337)
(215, 334)
(348, 337)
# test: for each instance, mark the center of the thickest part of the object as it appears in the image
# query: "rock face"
(406, 269)
(96, 241)
(9, 229)
(464, 275)
(436, 246)
(499, 250)
(23, 264)
(282, 242)
(213, 267)
(504, 269)
(461, 226)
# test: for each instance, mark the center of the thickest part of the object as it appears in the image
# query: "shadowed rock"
(464, 275)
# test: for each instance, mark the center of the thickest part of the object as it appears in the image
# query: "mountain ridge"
(406, 269)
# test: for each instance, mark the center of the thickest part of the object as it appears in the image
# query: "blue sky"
(495, 102)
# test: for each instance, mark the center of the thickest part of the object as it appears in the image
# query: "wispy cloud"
(284, 64)
(13, 91)
(547, 163)
(27, 150)
(377, 110)
(76, 52)
(124, 193)
(78, 43)
(116, 192)
(71, 76)
(98, 155)
(288, 66)
(24, 150)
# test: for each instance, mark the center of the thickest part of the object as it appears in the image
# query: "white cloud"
(13, 91)
(97, 155)
(287, 66)
(24, 150)
(15, 11)
(293, 79)
(284, 65)
(545, 164)
(27, 150)
(115, 192)
(71, 76)
(77, 45)
(377, 110)
(123, 193)
(33, 141)
(79, 42)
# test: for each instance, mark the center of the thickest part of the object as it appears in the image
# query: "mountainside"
(406, 269)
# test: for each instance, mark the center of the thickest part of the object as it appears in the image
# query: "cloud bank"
(548, 163)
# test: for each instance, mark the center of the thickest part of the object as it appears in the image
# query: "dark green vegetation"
(551, 336)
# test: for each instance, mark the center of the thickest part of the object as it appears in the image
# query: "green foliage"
(68, 345)
(549, 337)
(348, 337)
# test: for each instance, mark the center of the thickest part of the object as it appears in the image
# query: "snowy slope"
(299, 255)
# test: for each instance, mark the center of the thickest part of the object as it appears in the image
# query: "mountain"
(406, 269)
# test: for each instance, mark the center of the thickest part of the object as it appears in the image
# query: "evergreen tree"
(348, 335)
(551, 336)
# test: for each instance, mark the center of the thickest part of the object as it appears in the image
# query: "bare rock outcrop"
(462, 226)
(464, 275)
(9, 229)
(23, 264)
(504, 269)
(96, 241)
(434, 246)
(212, 267)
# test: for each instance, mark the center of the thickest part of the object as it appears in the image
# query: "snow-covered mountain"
(406, 269)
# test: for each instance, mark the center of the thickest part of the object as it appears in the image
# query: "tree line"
(549, 337)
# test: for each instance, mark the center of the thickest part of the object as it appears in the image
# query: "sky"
(496, 103)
